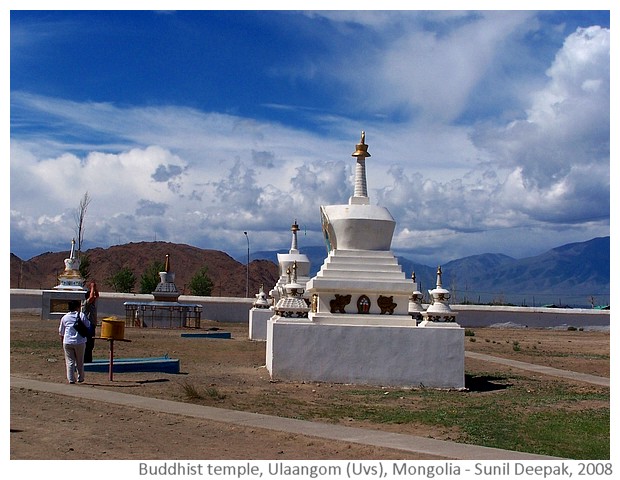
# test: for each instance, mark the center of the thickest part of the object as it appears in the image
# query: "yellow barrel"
(112, 327)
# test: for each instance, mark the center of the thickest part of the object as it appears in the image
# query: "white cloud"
(558, 156)
(180, 174)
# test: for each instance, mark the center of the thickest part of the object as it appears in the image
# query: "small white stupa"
(439, 311)
(286, 261)
(262, 301)
(416, 309)
(292, 303)
(293, 262)
(166, 290)
(360, 329)
(165, 311)
(71, 278)
(55, 302)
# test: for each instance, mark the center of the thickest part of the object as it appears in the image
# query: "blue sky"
(489, 130)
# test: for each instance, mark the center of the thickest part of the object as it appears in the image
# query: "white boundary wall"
(230, 309)
(221, 309)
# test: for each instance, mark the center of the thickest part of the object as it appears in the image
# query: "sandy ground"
(227, 373)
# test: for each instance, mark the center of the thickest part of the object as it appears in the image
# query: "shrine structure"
(55, 302)
(362, 326)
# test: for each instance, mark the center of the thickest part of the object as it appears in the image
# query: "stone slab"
(125, 365)
(207, 335)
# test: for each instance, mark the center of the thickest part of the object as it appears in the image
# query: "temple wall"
(226, 309)
(220, 309)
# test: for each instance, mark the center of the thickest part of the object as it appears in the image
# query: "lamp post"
(247, 268)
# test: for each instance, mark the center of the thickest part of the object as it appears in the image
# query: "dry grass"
(230, 373)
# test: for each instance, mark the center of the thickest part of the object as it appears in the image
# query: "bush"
(201, 284)
(191, 391)
(150, 277)
(122, 281)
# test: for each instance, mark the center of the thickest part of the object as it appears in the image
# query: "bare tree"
(79, 220)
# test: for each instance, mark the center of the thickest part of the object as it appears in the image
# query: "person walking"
(73, 344)
(89, 308)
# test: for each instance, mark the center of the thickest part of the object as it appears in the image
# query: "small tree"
(85, 267)
(150, 278)
(200, 284)
(79, 216)
(122, 281)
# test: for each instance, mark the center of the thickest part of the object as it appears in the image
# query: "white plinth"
(258, 323)
(55, 303)
(383, 355)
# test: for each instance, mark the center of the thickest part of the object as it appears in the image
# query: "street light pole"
(247, 268)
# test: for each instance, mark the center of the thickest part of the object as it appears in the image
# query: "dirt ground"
(227, 373)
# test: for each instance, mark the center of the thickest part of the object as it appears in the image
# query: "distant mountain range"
(230, 278)
(576, 275)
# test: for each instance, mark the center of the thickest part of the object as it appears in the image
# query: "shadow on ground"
(126, 383)
(485, 383)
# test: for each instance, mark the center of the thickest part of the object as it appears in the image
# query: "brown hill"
(227, 274)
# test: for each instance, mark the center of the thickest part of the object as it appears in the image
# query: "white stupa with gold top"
(286, 262)
(360, 329)
(292, 264)
(55, 301)
(360, 275)
(71, 278)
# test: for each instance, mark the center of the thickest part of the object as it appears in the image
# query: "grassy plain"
(502, 406)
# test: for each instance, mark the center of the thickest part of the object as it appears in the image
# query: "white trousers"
(74, 359)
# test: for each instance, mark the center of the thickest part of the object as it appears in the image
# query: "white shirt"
(66, 330)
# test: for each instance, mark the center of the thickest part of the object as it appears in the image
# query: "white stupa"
(359, 329)
(416, 309)
(361, 274)
(262, 300)
(292, 303)
(288, 299)
(71, 278)
(166, 290)
(439, 311)
(165, 310)
(286, 261)
(55, 302)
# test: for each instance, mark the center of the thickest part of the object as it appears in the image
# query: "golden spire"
(361, 149)
(167, 264)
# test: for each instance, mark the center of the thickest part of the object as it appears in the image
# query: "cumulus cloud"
(560, 151)
(182, 174)
(551, 167)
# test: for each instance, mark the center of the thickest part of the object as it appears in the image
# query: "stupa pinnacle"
(294, 229)
(360, 192)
